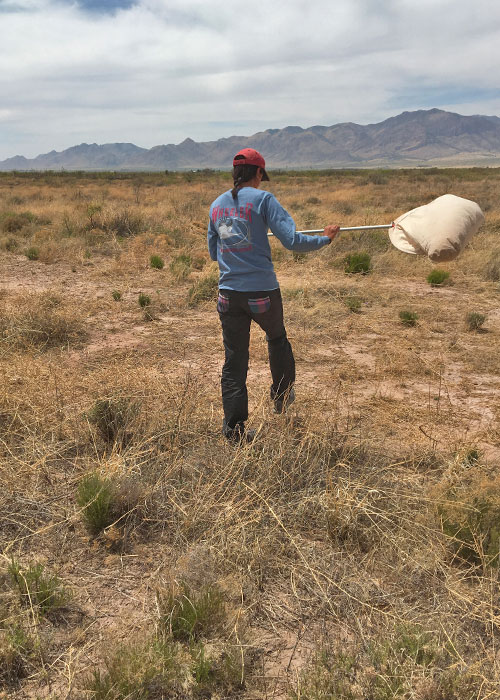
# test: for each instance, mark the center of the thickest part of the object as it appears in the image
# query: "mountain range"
(411, 139)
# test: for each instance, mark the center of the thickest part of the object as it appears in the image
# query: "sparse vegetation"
(116, 295)
(350, 553)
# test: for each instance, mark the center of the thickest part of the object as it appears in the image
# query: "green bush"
(353, 304)
(116, 295)
(474, 320)
(95, 497)
(144, 300)
(187, 615)
(156, 262)
(32, 253)
(357, 263)
(437, 277)
(37, 589)
(408, 318)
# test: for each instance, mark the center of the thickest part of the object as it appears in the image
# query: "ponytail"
(241, 174)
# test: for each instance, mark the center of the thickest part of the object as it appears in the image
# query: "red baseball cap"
(249, 156)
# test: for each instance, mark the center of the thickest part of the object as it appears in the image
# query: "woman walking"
(248, 287)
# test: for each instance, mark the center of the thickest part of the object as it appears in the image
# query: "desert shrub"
(187, 615)
(313, 200)
(204, 289)
(474, 320)
(15, 222)
(408, 318)
(357, 263)
(32, 253)
(10, 244)
(144, 300)
(156, 262)
(353, 304)
(124, 224)
(437, 277)
(95, 497)
(112, 417)
(37, 588)
(180, 267)
(39, 320)
(116, 295)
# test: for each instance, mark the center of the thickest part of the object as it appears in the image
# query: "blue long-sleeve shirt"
(237, 238)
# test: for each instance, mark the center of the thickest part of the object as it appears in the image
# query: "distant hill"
(422, 138)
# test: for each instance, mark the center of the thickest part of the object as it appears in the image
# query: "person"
(248, 287)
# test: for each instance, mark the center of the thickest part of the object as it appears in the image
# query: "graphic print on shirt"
(234, 235)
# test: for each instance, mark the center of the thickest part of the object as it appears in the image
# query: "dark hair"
(241, 174)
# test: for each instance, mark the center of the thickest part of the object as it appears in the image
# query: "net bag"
(440, 229)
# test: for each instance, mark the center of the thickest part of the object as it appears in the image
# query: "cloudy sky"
(157, 71)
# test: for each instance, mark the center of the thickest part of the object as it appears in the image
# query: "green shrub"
(180, 267)
(357, 263)
(204, 289)
(408, 318)
(37, 589)
(187, 615)
(95, 497)
(474, 320)
(32, 253)
(156, 262)
(144, 300)
(112, 418)
(116, 295)
(353, 304)
(437, 277)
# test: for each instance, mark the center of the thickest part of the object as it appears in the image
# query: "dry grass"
(352, 553)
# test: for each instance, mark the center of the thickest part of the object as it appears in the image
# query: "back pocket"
(222, 303)
(259, 306)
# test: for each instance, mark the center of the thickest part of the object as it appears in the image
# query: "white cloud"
(161, 70)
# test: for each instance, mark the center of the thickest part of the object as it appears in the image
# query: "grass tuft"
(408, 318)
(37, 588)
(357, 263)
(156, 262)
(437, 277)
(187, 615)
(474, 320)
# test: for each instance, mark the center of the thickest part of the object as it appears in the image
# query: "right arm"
(283, 227)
